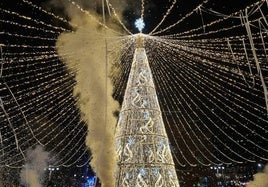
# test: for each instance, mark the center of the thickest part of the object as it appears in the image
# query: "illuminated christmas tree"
(142, 146)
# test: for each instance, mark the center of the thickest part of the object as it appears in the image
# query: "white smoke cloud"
(33, 172)
(260, 179)
(88, 60)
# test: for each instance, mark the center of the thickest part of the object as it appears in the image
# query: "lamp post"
(219, 173)
(51, 169)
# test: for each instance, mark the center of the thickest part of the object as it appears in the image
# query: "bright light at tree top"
(139, 24)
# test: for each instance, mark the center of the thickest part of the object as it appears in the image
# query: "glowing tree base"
(142, 146)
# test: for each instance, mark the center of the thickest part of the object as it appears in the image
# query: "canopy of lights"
(209, 77)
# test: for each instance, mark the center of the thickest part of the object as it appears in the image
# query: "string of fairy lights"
(211, 84)
(217, 21)
(164, 17)
(180, 20)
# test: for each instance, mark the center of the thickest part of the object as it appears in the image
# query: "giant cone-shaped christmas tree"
(142, 146)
